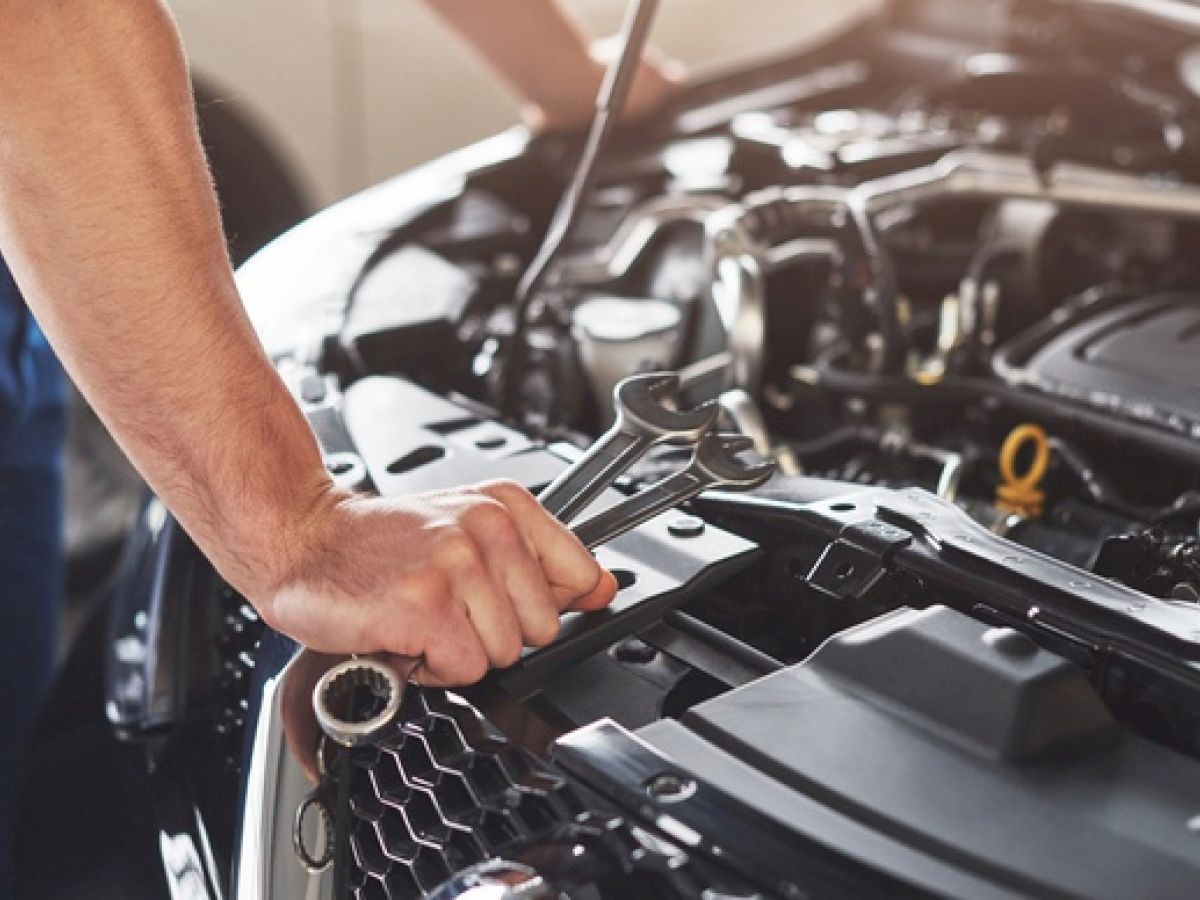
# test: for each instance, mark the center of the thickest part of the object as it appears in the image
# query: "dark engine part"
(420, 329)
(444, 790)
(1150, 561)
(969, 752)
(1140, 360)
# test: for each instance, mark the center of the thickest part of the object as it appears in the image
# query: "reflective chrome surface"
(275, 786)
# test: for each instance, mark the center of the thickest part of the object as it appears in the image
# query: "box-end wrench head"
(359, 698)
(642, 420)
(714, 464)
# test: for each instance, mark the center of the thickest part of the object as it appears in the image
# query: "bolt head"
(686, 527)
(634, 650)
(668, 787)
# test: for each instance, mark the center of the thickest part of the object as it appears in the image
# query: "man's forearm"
(108, 221)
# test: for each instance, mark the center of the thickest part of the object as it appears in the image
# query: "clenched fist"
(461, 579)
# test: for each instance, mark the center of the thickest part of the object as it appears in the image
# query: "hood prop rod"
(610, 103)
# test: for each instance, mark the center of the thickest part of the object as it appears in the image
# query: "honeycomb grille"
(440, 791)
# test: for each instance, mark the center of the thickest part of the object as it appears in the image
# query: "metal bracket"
(854, 563)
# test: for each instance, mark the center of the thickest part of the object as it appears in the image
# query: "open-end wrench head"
(717, 455)
(638, 401)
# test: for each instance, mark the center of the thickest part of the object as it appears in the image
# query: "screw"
(685, 527)
(670, 788)
(634, 650)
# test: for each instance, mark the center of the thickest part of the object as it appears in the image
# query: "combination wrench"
(714, 464)
(642, 421)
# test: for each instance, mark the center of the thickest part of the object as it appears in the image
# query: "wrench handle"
(657, 498)
(597, 469)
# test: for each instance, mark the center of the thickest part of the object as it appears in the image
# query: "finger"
(536, 607)
(570, 570)
(300, 728)
(600, 596)
(517, 570)
(454, 654)
(490, 611)
(403, 666)
(458, 556)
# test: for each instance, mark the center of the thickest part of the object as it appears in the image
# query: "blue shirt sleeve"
(30, 377)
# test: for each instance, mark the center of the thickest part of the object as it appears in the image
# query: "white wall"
(357, 90)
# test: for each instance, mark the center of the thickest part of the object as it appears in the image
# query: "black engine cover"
(1139, 359)
(965, 753)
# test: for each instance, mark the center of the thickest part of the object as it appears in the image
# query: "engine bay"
(979, 286)
(959, 309)
(885, 295)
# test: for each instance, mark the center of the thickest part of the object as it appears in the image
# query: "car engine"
(952, 648)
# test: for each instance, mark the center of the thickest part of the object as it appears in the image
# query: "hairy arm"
(110, 226)
(109, 223)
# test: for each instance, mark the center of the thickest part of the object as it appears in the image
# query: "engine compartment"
(977, 284)
(879, 294)
(957, 305)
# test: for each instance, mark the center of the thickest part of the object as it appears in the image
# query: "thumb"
(599, 596)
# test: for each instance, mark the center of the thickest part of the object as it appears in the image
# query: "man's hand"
(462, 579)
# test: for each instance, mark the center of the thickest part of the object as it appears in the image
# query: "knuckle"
(456, 656)
(489, 517)
(473, 668)
(543, 630)
(506, 543)
(507, 489)
(582, 572)
(455, 549)
(424, 589)
(509, 654)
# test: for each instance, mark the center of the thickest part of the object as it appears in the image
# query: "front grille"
(440, 791)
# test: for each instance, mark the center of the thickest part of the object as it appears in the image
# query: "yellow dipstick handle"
(1022, 493)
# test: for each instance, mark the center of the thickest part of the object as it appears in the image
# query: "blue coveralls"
(32, 430)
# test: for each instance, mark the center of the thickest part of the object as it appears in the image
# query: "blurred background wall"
(352, 91)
